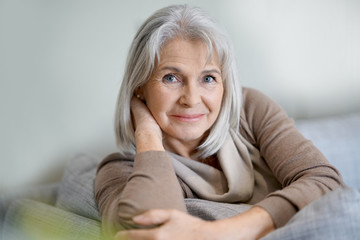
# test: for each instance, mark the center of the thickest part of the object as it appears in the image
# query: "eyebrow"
(210, 71)
(175, 69)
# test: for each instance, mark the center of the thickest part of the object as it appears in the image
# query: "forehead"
(187, 51)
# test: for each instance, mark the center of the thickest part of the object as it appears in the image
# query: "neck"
(185, 149)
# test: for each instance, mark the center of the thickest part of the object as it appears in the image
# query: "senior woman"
(187, 130)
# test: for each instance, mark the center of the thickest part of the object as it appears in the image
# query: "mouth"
(187, 117)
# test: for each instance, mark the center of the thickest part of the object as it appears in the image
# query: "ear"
(139, 93)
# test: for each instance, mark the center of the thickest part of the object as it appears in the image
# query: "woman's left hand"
(174, 225)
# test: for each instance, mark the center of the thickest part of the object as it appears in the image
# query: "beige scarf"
(245, 176)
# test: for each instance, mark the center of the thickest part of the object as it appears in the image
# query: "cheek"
(157, 102)
(215, 99)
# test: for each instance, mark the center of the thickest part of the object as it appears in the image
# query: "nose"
(191, 95)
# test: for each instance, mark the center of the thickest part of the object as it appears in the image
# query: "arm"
(252, 224)
(125, 188)
(298, 165)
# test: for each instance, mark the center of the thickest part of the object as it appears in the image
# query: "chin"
(188, 135)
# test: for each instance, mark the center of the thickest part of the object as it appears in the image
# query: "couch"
(67, 209)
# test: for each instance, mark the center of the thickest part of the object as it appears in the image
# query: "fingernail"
(138, 218)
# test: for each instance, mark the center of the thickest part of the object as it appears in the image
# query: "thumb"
(153, 217)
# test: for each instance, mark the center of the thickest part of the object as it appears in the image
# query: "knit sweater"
(290, 172)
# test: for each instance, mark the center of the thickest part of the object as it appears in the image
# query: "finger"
(137, 110)
(151, 217)
(136, 103)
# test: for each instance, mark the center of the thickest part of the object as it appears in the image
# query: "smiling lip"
(188, 117)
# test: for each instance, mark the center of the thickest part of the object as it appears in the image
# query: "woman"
(187, 130)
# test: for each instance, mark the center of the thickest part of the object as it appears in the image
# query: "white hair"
(178, 21)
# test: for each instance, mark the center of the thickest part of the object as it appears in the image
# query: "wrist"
(252, 224)
(263, 223)
(148, 141)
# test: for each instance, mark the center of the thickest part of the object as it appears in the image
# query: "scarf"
(245, 176)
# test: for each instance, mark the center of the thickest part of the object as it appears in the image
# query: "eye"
(170, 78)
(209, 79)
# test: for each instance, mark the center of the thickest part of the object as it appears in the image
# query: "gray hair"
(178, 21)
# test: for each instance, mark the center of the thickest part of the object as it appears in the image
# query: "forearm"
(124, 190)
(153, 184)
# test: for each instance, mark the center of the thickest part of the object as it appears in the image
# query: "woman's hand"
(148, 135)
(177, 225)
(142, 117)
(174, 225)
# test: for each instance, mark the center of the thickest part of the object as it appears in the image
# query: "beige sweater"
(128, 185)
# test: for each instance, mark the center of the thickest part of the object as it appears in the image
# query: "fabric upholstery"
(28, 219)
(338, 138)
(76, 190)
(332, 217)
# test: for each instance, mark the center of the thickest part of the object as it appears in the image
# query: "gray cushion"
(209, 210)
(76, 190)
(338, 138)
(332, 217)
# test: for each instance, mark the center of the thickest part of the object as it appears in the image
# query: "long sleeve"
(298, 165)
(125, 188)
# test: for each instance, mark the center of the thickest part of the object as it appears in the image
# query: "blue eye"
(170, 78)
(209, 79)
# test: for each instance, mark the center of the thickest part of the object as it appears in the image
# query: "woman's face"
(185, 91)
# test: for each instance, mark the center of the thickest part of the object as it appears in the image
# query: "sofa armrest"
(45, 193)
(28, 219)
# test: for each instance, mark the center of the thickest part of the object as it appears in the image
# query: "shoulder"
(250, 92)
(256, 103)
(258, 110)
(117, 158)
(253, 98)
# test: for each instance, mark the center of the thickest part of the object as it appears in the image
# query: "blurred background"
(61, 64)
